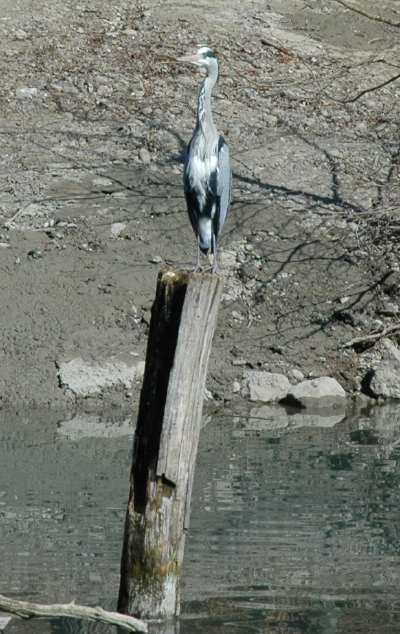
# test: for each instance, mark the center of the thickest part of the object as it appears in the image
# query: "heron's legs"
(215, 267)
(198, 265)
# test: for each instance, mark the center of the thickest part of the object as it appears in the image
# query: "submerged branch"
(27, 610)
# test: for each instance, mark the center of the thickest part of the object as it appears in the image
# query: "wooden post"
(182, 325)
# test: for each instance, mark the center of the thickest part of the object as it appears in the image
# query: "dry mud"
(94, 117)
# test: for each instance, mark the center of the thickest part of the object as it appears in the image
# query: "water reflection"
(295, 521)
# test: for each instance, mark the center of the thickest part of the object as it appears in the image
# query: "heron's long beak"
(191, 59)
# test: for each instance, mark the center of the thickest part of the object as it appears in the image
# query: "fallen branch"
(277, 47)
(371, 338)
(27, 610)
(377, 18)
(372, 89)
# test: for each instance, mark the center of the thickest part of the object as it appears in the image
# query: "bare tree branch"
(372, 89)
(372, 338)
(27, 610)
(377, 18)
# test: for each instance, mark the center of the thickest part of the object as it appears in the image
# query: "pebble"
(271, 120)
(157, 259)
(235, 387)
(389, 308)
(144, 155)
(117, 228)
(104, 91)
(237, 315)
(296, 375)
(35, 254)
(239, 362)
(24, 92)
(20, 34)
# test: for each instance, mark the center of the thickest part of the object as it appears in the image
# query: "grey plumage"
(207, 173)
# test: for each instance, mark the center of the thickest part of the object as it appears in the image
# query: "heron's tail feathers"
(205, 234)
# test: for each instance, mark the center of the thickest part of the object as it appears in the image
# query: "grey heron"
(207, 175)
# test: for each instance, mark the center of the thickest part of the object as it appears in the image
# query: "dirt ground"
(94, 116)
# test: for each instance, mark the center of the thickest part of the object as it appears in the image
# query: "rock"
(26, 93)
(266, 386)
(385, 379)
(117, 228)
(239, 362)
(322, 393)
(35, 254)
(101, 181)
(144, 155)
(86, 378)
(237, 316)
(20, 34)
(104, 91)
(271, 120)
(296, 375)
(227, 259)
(389, 309)
(156, 259)
(5, 619)
(235, 387)
(390, 350)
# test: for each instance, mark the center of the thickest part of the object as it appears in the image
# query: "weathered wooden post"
(182, 325)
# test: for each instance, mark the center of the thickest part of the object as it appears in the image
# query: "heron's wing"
(224, 182)
(191, 198)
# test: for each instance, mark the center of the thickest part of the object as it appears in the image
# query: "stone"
(390, 351)
(391, 309)
(5, 619)
(117, 228)
(385, 379)
(321, 393)
(20, 34)
(266, 386)
(24, 92)
(91, 378)
(227, 259)
(144, 155)
(296, 375)
(236, 387)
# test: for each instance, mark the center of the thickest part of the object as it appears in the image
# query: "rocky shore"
(94, 118)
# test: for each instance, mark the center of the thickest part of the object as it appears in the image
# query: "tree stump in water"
(182, 325)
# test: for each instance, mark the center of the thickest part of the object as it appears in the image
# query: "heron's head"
(204, 58)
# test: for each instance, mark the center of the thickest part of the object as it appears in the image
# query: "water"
(295, 521)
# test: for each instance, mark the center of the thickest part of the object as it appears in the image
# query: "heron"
(207, 175)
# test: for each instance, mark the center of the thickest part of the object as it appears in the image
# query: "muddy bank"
(94, 119)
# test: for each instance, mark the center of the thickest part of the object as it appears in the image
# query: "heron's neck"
(205, 121)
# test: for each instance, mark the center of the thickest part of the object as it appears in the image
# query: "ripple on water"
(295, 526)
